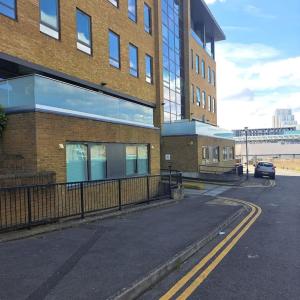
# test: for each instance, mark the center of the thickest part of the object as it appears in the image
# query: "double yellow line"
(217, 252)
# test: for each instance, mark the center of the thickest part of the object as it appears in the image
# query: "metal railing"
(26, 206)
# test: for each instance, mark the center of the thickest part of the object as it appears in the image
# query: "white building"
(284, 118)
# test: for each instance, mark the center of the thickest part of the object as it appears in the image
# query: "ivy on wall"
(3, 120)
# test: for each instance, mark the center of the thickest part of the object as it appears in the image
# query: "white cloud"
(213, 1)
(252, 82)
(257, 12)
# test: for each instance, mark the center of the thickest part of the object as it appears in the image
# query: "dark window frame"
(48, 25)
(91, 34)
(14, 9)
(119, 49)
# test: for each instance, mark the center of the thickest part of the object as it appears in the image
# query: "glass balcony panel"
(38, 92)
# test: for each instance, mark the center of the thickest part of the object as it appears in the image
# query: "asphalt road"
(265, 263)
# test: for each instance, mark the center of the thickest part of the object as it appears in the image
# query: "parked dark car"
(264, 169)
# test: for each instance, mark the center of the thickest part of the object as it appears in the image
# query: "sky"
(258, 66)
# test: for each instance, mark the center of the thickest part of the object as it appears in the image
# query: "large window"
(172, 58)
(49, 18)
(147, 19)
(197, 64)
(114, 49)
(203, 68)
(149, 68)
(97, 162)
(136, 160)
(84, 35)
(198, 96)
(228, 153)
(132, 10)
(114, 2)
(8, 8)
(77, 157)
(133, 61)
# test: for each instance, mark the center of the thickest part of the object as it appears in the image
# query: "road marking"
(211, 254)
(196, 283)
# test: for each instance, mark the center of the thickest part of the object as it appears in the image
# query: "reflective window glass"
(98, 162)
(76, 155)
(84, 42)
(149, 68)
(142, 163)
(114, 49)
(8, 8)
(133, 60)
(114, 2)
(147, 19)
(49, 17)
(198, 96)
(132, 10)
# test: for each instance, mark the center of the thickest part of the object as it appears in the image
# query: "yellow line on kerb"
(210, 255)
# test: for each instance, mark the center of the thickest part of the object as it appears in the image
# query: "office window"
(147, 19)
(215, 154)
(114, 2)
(149, 68)
(209, 103)
(77, 169)
(209, 74)
(133, 60)
(142, 163)
(214, 78)
(204, 99)
(114, 49)
(84, 36)
(214, 105)
(49, 18)
(203, 68)
(192, 93)
(192, 59)
(197, 64)
(8, 8)
(132, 10)
(205, 154)
(98, 162)
(198, 96)
(131, 160)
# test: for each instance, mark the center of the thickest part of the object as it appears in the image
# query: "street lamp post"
(247, 160)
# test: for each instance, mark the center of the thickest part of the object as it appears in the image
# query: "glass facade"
(136, 160)
(42, 93)
(49, 17)
(8, 8)
(172, 70)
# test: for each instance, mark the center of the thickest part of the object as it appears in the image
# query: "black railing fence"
(26, 206)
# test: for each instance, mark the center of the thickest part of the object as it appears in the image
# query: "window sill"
(84, 49)
(49, 32)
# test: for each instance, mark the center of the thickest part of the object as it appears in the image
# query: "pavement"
(97, 260)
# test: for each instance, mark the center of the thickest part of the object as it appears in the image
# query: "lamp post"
(247, 160)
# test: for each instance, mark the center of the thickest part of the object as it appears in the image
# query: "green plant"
(3, 120)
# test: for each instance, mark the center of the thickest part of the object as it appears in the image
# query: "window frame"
(132, 46)
(90, 31)
(204, 96)
(151, 68)
(198, 96)
(135, 20)
(136, 166)
(14, 9)
(197, 64)
(119, 49)
(150, 18)
(57, 30)
(203, 70)
(192, 59)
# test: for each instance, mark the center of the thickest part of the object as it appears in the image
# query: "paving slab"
(96, 260)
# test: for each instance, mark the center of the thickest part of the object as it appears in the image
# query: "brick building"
(87, 85)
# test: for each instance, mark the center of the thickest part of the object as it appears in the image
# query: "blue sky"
(258, 66)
